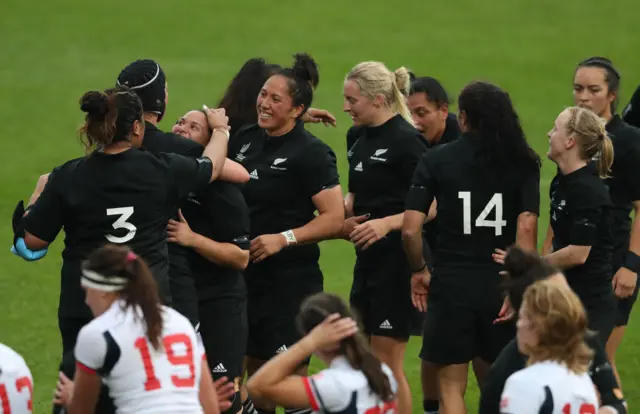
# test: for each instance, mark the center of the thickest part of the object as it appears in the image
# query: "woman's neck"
(570, 163)
(151, 118)
(382, 116)
(285, 129)
(117, 147)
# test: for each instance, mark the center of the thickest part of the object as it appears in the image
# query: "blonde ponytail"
(401, 87)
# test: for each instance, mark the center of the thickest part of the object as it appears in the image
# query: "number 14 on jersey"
(482, 221)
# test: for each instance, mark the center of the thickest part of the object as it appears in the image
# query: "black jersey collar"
(589, 169)
(297, 130)
(378, 130)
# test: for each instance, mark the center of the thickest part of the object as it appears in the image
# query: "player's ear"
(378, 101)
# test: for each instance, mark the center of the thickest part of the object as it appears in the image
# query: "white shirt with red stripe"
(141, 379)
(548, 388)
(343, 389)
(16, 383)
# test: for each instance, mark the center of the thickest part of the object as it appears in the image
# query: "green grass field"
(55, 51)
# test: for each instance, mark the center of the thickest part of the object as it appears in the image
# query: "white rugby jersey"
(548, 388)
(141, 379)
(16, 383)
(342, 389)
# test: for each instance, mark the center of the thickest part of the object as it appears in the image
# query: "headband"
(94, 280)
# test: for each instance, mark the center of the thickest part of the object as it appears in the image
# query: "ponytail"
(604, 160)
(118, 269)
(401, 86)
(361, 358)
(142, 291)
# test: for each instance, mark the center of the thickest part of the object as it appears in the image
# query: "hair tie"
(131, 257)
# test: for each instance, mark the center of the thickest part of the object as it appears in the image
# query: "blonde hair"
(374, 78)
(591, 135)
(560, 321)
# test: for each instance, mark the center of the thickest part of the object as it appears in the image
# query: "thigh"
(492, 337)
(449, 335)
(224, 330)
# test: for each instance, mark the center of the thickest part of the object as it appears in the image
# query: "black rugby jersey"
(581, 215)
(125, 198)
(478, 207)
(382, 160)
(285, 173)
(624, 184)
(219, 213)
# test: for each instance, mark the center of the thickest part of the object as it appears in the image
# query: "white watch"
(289, 237)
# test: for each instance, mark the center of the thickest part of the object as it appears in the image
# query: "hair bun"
(403, 80)
(95, 103)
(306, 69)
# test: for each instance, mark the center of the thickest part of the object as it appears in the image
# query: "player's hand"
(420, 282)
(350, 224)
(180, 232)
(224, 390)
(217, 118)
(506, 312)
(20, 249)
(624, 282)
(315, 116)
(499, 256)
(64, 390)
(327, 335)
(265, 246)
(369, 232)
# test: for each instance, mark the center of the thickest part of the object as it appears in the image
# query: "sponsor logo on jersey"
(378, 153)
(254, 174)
(386, 325)
(358, 167)
(278, 161)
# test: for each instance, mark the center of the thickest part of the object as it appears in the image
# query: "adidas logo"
(282, 349)
(386, 325)
(254, 174)
(358, 167)
(219, 369)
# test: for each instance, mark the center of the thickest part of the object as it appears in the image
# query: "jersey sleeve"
(325, 392)
(585, 218)
(320, 169)
(631, 112)
(414, 147)
(520, 397)
(90, 350)
(423, 186)
(188, 174)
(530, 193)
(45, 218)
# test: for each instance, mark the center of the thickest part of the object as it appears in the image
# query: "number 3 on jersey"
(481, 221)
(125, 213)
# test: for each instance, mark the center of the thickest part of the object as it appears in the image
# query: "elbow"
(242, 261)
(410, 233)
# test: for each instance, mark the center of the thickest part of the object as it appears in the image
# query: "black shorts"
(224, 331)
(381, 290)
(184, 296)
(461, 308)
(273, 303)
(602, 318)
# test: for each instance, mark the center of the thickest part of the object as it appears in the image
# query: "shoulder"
(406, 132)
(92, 334)
(10, 361)
(246, 131)
(353, 133)
(526, 379)
(591, 190)
(176, 320)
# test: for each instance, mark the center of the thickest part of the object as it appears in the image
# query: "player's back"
(16, 383)
(140, 378)
(343, 389)
(478, 204)
(548, 388)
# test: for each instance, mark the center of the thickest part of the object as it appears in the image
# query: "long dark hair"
(490, 114)
(314, 311)
(141, 289)
(239, 100)
(110, 116)
(611, 76)
(522, 270)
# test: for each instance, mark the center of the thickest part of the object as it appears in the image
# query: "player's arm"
(43, 220)
(234, 172)
(348, 205)
(583, 235)
(547, 244)
(216, 149)
(527, 224)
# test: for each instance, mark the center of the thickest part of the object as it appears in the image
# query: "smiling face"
(276, 113)
(361, 108)
(194, 126)
(427, 117)
(591, 91)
